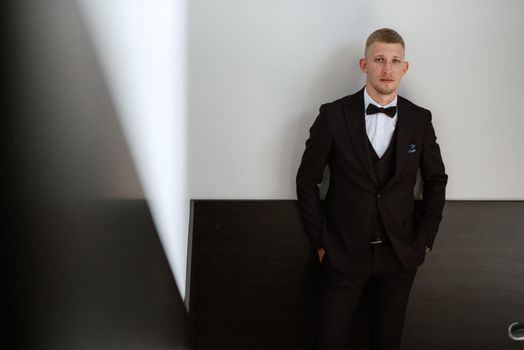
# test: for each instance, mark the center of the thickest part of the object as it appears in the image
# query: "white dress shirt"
(379, 127)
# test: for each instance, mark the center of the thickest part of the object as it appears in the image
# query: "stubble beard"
(384, 90)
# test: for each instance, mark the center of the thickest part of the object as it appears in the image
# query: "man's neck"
(378, 97)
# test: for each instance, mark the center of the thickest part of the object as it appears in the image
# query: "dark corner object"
(253, 273)
(90, 275)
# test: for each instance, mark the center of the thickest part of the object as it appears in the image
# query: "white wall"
(259, 70)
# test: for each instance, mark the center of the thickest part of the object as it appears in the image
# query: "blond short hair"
(385, 35)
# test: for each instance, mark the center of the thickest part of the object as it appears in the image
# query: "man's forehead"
(382, 54)
(386, 49)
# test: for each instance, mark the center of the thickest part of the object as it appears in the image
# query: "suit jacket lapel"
(355, 123)
(403, 130)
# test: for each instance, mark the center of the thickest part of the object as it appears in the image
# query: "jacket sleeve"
(309, 176)
(434, 185)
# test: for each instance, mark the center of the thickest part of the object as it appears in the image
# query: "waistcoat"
(384, 168)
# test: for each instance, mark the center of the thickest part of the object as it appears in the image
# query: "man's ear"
(405, 67)
(362, 63)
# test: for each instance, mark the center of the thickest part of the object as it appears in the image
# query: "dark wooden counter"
(253, 276)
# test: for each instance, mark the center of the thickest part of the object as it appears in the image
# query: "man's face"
(384, 66)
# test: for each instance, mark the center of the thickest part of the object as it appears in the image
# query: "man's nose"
(388, 66)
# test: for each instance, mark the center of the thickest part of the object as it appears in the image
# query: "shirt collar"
(368, 100)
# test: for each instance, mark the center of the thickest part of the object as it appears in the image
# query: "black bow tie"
(390, 111)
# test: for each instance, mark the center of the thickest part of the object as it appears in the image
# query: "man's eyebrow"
(382, 55)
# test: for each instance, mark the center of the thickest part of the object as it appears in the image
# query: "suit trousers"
(363, 310)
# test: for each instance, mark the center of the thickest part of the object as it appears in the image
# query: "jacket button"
(378, 195)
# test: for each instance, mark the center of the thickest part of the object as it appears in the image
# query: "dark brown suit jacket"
(342, 222)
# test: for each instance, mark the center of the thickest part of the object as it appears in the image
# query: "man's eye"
(379, 59)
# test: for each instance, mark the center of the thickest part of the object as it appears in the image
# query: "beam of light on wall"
(141, 48)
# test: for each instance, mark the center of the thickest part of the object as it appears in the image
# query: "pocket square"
(412, 148)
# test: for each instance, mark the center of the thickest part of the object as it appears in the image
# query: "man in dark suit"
(369, 232)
